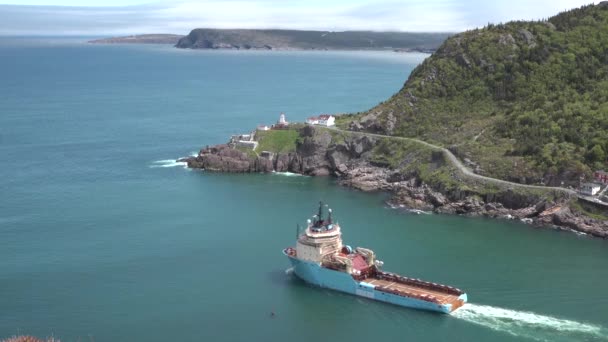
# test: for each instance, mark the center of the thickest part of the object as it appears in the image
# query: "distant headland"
(160, 38)
(249, 39)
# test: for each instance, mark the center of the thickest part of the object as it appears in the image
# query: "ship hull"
(314, 274)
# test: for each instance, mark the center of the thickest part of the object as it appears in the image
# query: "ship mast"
(321, 211)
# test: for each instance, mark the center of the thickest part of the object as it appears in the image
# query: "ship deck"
(443, 297)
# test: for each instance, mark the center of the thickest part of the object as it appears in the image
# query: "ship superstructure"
(321, 259)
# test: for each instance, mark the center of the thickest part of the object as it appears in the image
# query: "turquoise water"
(103, 238)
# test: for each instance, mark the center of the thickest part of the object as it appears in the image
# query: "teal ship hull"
(320, 258)
(318, 275)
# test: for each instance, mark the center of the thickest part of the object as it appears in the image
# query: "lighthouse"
(282, 122)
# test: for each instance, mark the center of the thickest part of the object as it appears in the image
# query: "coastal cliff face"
(416, 178)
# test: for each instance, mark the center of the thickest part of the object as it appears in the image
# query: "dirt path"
(458, 164)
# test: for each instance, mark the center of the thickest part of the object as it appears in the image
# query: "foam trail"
(530, 325)
(289, 270)
(168, 163)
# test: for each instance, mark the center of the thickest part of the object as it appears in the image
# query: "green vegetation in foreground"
(527, 101)
(277, 141)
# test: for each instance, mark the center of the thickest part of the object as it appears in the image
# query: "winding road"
(458, 164)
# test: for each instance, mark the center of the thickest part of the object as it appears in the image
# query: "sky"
(120, 17)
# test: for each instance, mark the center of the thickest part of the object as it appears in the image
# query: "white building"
(282, 122)
(589, 189)
(263, 128)
(313, 120)
(322, 120)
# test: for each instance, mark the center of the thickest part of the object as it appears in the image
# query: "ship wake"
(530, 325)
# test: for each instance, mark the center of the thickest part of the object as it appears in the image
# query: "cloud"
(183, 15)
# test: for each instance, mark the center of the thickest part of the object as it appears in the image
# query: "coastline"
(354, 162)
(136, 41)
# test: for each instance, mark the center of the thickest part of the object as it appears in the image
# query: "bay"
(104, 237)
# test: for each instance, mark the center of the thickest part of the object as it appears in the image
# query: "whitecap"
(168, 163)
(406, 209)
(418, 211)
(288, 174)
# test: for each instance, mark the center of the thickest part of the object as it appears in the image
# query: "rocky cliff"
(421, 179)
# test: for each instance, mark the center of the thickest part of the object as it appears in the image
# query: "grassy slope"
(528, 101)
(277, 141)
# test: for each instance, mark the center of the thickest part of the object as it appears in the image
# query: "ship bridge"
(322, 237)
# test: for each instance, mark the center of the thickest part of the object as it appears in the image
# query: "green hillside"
(524, 101)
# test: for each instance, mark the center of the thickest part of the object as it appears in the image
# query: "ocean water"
(103, 237)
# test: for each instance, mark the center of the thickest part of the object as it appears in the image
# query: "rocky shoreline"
(319, 153)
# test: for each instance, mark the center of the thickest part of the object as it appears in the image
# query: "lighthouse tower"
(282, 121)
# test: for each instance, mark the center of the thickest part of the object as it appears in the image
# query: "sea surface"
(103, 237)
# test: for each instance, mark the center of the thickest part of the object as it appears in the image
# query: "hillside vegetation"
(204, 38)
(523, 101)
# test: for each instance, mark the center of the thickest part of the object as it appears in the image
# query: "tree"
(596, 154)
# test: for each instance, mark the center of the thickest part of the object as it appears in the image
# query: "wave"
(289, 270)
(288, 174)
(168, 163)
(409, 210)
(530, 325)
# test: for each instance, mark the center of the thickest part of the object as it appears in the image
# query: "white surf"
(288, 174)
(168, 163)
(530, 325)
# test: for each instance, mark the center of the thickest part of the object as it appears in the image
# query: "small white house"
(589, 189)
(263, 128)
(313, 120)
(322, 120)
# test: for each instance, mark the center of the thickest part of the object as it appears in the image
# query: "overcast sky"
(115, 17)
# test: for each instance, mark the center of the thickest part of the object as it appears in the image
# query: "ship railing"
(425, 297)
(420, 283)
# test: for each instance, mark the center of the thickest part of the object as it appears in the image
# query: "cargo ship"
(319, 258)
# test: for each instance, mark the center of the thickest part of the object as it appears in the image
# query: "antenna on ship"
(329, 218)
(320, 211)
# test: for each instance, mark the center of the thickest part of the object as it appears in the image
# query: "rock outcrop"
(349, 158)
